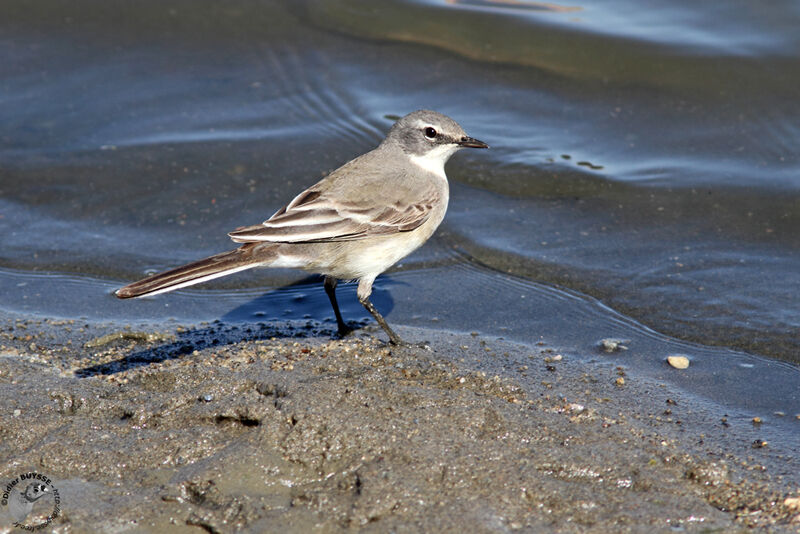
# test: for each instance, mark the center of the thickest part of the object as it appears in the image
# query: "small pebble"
(757, 420)
(577, 408)
(612, 344)
(208, 397)
(620, 381)
(678, 361)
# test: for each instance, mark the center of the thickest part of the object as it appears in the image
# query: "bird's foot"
(343, 331)
(397, 342)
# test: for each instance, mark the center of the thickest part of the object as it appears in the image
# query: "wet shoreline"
(254, 428)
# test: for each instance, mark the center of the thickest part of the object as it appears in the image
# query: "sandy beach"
(223, 428)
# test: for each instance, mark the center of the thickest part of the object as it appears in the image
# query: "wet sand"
(222, 428)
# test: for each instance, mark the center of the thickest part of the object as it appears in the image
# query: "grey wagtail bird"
(353, 224)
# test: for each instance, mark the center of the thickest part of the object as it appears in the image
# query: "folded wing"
(315, 216)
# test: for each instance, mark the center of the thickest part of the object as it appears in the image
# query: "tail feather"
(194, 273)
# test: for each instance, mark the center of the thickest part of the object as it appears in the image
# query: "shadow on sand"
(297, 310)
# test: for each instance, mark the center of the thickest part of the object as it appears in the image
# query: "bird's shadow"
(298, 310)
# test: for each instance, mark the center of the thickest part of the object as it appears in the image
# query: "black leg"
(330, 289)
(393, 338)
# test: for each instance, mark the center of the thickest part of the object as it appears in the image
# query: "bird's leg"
(364, 291)
(330, 289)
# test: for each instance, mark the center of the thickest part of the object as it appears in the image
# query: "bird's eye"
(430, 133)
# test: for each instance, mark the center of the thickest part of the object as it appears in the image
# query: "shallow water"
(643, 155)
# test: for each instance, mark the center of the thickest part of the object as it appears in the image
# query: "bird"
(21, 504)
(353, 224)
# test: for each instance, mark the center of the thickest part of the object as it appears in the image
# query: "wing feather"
(315, 216)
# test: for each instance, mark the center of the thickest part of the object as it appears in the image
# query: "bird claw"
(343, 332)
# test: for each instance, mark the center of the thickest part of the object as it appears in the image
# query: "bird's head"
(430, 135)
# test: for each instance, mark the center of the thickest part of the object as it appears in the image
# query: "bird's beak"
(471, 142)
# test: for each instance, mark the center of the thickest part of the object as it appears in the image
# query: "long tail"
(243, 258)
